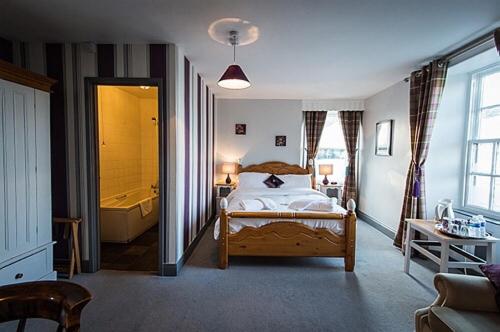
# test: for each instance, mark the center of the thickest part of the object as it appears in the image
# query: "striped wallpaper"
(70, 63)
(199, 154)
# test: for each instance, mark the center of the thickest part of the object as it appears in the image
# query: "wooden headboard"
(274, 167)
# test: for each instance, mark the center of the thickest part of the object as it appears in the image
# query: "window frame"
(474, 111)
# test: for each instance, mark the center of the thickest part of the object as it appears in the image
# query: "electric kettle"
(444, 209)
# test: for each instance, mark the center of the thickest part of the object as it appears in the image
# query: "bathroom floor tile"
(139, 255)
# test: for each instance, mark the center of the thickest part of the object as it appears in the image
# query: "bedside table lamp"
(228, 168)
(326, 169)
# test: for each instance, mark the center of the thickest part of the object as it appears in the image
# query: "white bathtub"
(121, 219)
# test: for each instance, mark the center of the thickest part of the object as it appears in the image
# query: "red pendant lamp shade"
(234, 78)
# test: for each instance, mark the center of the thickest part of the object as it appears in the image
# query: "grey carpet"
(261, 294)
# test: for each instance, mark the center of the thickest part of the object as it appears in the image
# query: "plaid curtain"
(497, 39)
(314, 121)
(426, 88)
(351, 122)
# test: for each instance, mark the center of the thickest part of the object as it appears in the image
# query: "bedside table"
(332, 190)
(222, 190)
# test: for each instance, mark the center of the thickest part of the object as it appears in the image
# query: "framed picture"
(383, 138)
(280, 140)
(240, 129)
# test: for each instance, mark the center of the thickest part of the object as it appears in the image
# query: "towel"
(311, 204)
(146, 206)
(269, 204)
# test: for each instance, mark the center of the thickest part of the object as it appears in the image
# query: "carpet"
(261, 294)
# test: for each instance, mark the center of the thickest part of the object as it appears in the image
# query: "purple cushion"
(273, 181)
(492, 272)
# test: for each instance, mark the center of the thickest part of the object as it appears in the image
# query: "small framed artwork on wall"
(280, 141)
(383, 138)
(240, 129)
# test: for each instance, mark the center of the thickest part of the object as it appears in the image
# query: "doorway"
(128, 177)
(126, 157)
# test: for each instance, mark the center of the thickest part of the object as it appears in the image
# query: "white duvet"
(282, 198)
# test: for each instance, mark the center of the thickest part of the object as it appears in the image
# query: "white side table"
(332, 190)
(448, 245)
(222, 190)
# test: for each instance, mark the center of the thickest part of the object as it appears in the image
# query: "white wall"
(264, 119)
(382, 179)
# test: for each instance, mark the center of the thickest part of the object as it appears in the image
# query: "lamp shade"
(229, 168)
(325, 169)
(234, 78)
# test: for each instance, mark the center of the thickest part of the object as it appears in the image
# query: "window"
(482, 183)
(332, 149)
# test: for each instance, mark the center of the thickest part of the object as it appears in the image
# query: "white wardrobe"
(25, 186)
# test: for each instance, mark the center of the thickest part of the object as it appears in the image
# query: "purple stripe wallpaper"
(55, 69)
(199, 161)
(207, 150)
(187, 149)
(6, 50)
(106, 60)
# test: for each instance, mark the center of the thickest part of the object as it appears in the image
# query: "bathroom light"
(234, 78)
(145, 87)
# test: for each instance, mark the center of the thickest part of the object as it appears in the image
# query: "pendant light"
(234, 78)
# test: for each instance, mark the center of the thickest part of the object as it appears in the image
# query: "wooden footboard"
(286, 237)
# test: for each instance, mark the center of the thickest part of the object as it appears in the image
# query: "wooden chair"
(71, 233)
(60, 301)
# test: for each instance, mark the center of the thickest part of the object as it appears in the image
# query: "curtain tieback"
(416, 190)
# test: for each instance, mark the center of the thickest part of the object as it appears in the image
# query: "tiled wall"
(149, 141)
(128, 145)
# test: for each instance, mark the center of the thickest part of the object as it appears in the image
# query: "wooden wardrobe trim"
(12, 73)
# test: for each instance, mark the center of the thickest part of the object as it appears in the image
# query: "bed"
(283, 231)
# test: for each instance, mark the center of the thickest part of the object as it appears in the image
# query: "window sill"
(470, 213)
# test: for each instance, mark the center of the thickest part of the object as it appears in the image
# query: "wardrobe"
(25, 182)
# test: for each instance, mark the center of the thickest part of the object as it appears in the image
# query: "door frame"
(93, 183)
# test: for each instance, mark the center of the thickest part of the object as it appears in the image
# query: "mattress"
(282, 197)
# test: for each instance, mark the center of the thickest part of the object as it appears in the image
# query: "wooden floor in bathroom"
(139, 255)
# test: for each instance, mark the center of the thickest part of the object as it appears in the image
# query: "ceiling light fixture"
(145, 87)
(234, 78)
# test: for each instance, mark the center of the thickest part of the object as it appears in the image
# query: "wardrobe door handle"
(19, 276)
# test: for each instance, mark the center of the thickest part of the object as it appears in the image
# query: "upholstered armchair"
(464, 303)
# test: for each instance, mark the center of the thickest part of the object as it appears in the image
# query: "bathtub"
(121, 219)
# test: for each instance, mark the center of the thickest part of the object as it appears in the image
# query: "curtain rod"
(487, 37)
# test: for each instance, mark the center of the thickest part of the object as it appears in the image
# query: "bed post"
(223, 245)
(350, 236)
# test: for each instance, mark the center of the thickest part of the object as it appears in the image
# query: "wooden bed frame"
(285, 237)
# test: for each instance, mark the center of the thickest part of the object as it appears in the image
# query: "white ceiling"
(308, 49)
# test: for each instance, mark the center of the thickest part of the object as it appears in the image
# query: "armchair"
(464, 303)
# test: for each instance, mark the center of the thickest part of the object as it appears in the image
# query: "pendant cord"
(234, 53)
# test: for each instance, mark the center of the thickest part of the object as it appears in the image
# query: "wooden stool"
(71, 232)
(60, 301)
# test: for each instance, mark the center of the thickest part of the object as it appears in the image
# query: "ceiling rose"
(247, 32)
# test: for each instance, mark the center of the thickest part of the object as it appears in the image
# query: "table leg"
(409, 237)
(76, 246)
(445, 257)
(490, 253)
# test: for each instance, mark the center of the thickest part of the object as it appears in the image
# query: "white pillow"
(250, 180)
(296, 181)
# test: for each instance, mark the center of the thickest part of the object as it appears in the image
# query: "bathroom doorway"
(128, 177)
